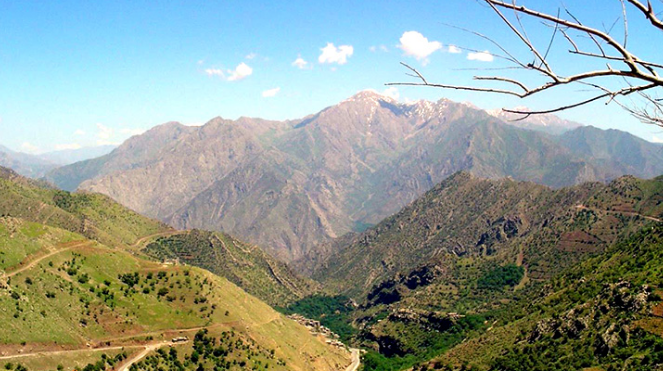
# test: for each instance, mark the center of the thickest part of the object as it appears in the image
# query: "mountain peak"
(547, 123)
(370, 95)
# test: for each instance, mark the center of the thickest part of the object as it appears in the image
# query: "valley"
(331, 186)
(432, 235)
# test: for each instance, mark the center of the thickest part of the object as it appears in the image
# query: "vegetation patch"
(499, 277)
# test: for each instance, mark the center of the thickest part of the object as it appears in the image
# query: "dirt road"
(627, 213)
(142, 240)
(39, 259)
(356, 360)
(136, 358)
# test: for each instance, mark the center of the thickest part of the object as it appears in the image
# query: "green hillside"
(469, 254)
(94, 216)
(72, 298)
(505, 221)
(68, 292)
(603, 314)
(245, 265)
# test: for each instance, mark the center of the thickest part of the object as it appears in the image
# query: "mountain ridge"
(317, 178)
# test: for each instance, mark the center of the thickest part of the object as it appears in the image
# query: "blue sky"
(87, 73)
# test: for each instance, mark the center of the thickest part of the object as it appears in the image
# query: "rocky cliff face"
(288, 186)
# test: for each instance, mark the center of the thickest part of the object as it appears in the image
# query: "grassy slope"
(243, 264)
(93, 215)
(76, 297)
(64, 284)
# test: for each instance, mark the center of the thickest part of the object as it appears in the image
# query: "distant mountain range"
(25, 164)
(36, 166)
(290, 185)
(69, 156)
(548, 123)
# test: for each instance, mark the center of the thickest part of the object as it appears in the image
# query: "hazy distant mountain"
(69, 156)
(614, 149)
(290, 185)
(550, 124)
(27, 165)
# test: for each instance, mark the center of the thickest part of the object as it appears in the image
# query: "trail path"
(148, 348)
(142, 240)
(123, 367)
(58, 352)
(628, 213)
(356, 360)
(39, 259)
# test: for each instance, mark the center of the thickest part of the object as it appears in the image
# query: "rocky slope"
(547, 123)
(542, 229)
(603, 314)
(288, 186)
(467, 260)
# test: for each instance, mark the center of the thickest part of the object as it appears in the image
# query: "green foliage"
(229, 351)
(332, 312)
(95, 216)
(497, 278)
(246, 266)
(425, 345)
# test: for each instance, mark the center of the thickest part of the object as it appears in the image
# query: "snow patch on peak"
(374, 96)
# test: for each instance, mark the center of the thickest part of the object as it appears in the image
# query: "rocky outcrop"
(608, 318)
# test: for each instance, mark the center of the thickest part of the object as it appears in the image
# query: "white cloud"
(104, 135)
(29, 148)
(60, 147)
(416, 45)
(332, 54)
(270, 93)
(655, 139)
(453, 49)
(79, 132)
(391, 92)
(251, 56)
(483, 56)
(381, 48)
(214, 72)
(104, 132)
(240, 72)
(301, 63)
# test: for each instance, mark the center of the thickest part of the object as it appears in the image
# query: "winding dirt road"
(356, 360)
(142, 240)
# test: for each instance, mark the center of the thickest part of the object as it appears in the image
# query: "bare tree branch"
(638, 75)
(648, 11)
